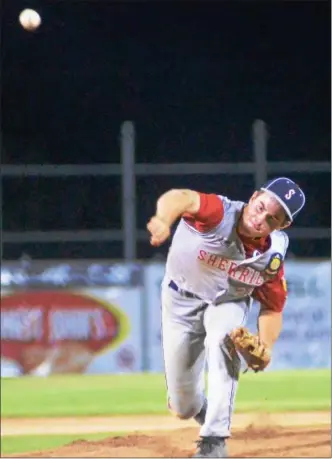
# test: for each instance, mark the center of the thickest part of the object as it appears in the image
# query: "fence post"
(1, 199)
(1, 217)
(128, 190)
(259, 137)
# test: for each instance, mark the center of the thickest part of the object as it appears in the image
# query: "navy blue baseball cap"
(287, 193)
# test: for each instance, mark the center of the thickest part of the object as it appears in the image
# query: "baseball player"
(223, 255)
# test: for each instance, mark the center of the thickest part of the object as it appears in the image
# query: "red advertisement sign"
(58, 331)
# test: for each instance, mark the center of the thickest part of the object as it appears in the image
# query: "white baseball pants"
(192, 338)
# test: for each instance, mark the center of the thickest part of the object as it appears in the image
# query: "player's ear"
(286, 224)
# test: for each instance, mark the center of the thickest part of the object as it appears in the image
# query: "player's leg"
(183, 348)
(223, 366)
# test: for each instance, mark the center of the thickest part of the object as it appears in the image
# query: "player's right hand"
(159, 230)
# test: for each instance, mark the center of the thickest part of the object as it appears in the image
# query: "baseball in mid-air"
(29, 19)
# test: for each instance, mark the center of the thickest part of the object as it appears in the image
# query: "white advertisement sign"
(74, 330)
(305, 340)
(153, 276)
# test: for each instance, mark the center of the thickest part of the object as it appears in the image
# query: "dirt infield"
(282, 435)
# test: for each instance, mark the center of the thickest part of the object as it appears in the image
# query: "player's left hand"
(256, 355)
(160, 231)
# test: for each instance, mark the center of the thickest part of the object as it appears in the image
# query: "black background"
(192, 76)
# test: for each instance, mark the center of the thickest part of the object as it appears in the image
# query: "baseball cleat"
(211, 447)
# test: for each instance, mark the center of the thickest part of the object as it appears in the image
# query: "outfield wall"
(92, 316)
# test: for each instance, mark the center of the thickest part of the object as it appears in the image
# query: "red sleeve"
(273, 294)
(210, 213)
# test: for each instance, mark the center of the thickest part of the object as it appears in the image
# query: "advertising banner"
(305, 341)
(62, 319)
(153, 276)
(71, 331)
(26, 273)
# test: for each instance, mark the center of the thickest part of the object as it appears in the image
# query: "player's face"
(262, 215)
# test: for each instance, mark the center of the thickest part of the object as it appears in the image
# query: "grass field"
(145, 394)
(23, 443)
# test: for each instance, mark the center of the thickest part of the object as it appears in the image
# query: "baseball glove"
(256, 355)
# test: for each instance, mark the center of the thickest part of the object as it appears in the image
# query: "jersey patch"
(274, 264)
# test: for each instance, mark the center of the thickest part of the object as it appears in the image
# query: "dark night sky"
(192, 76)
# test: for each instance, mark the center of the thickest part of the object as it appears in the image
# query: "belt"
(185, 293)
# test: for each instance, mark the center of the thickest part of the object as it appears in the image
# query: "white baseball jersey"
(213, 264)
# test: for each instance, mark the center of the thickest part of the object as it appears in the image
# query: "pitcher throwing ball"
(223, 255)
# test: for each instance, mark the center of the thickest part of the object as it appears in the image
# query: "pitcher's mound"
(251, 442)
